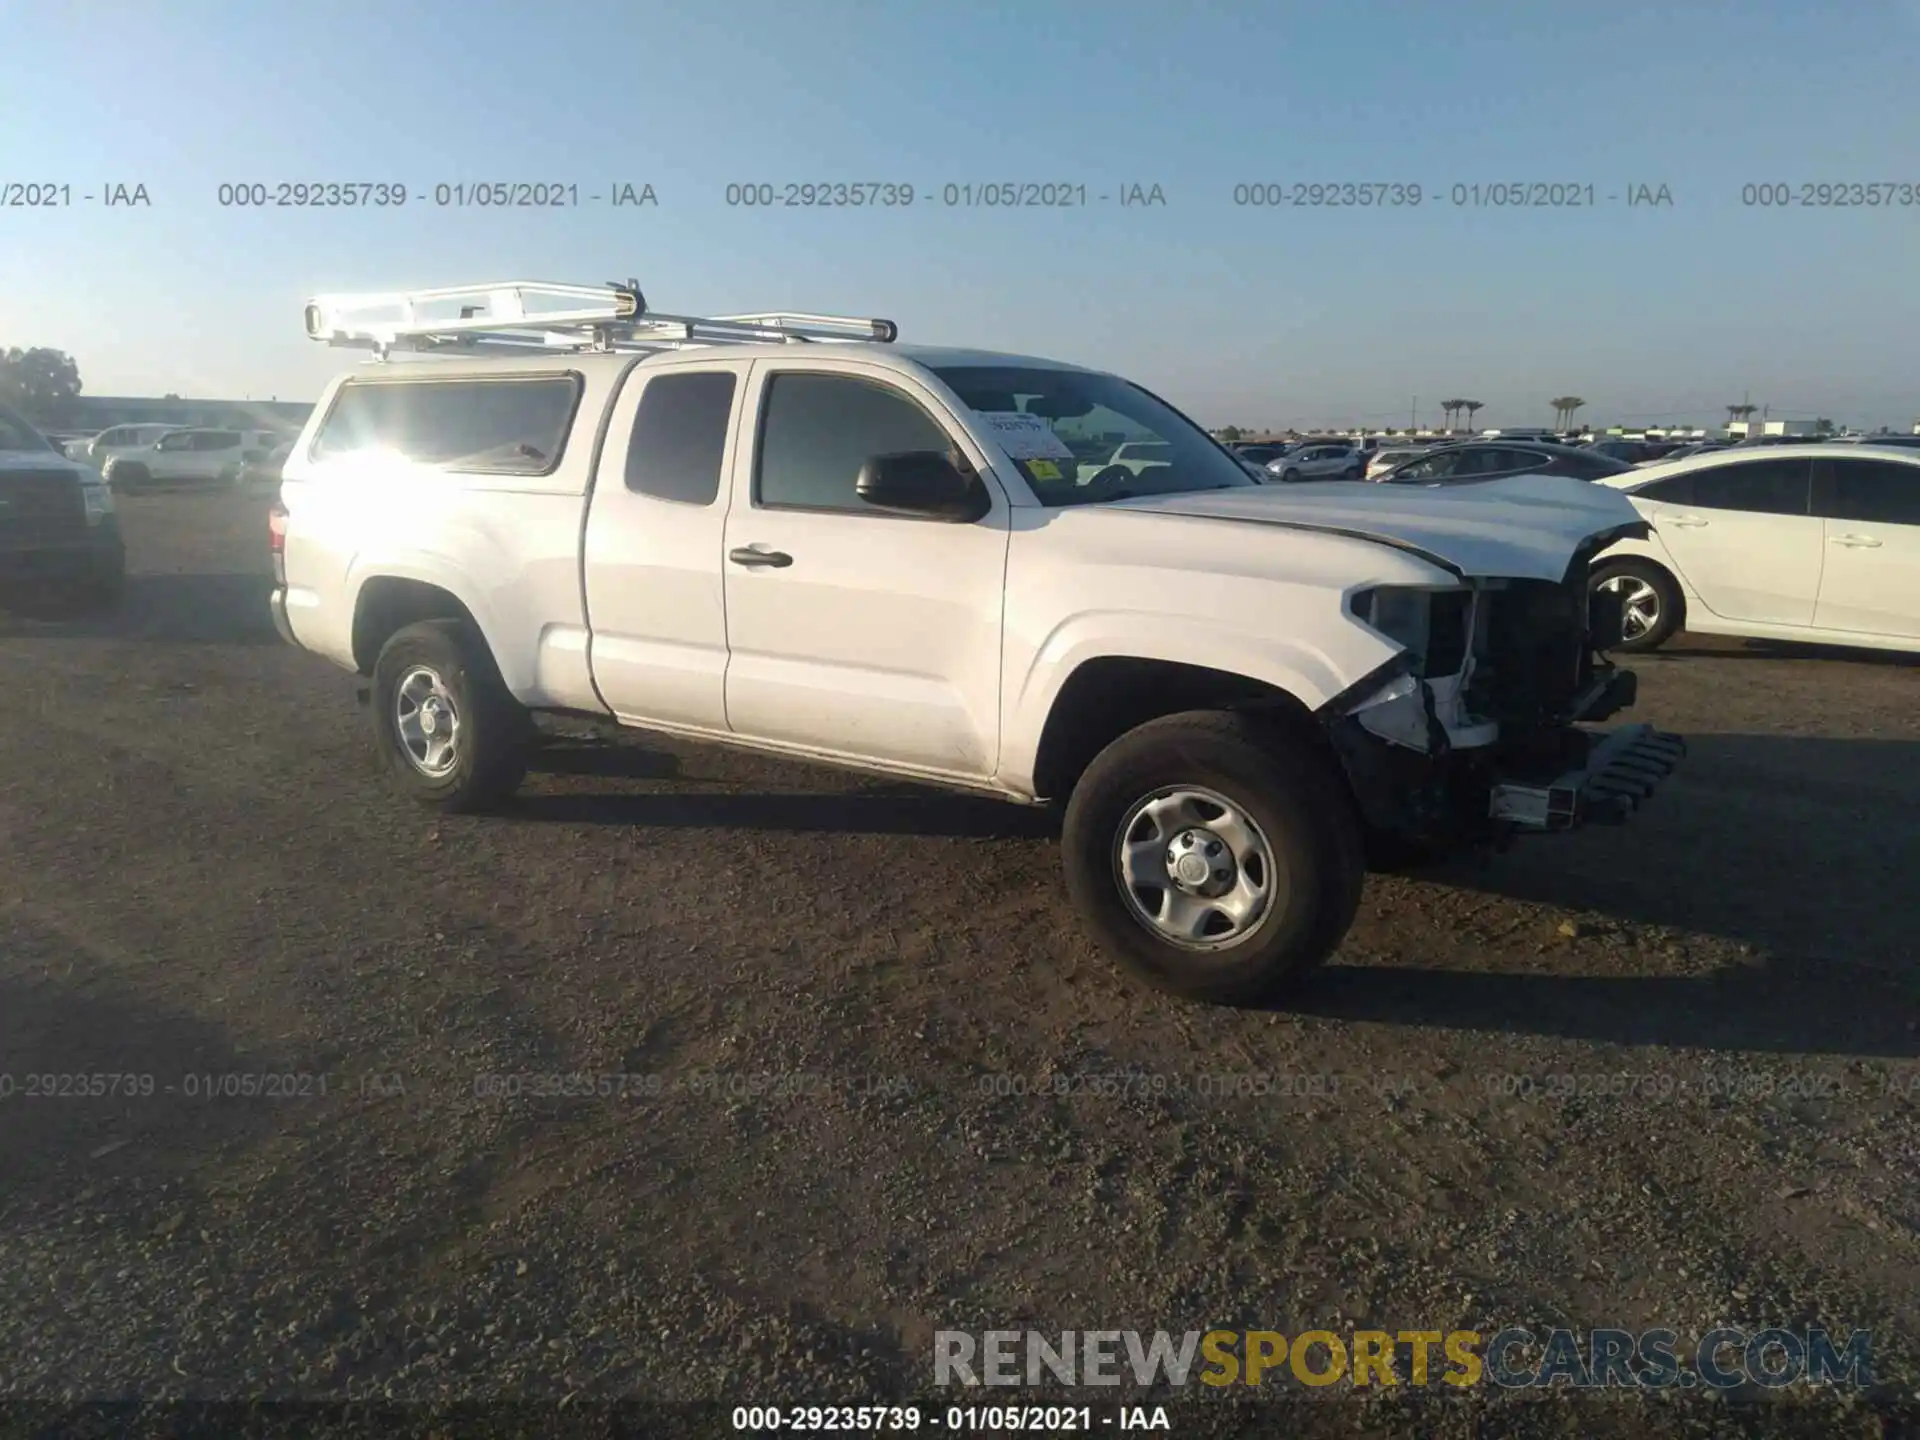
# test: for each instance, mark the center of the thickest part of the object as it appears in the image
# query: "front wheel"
(447, 727)
(1289, 476)
(1212, 860)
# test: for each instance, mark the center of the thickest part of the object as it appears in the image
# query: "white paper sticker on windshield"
(1026, 437)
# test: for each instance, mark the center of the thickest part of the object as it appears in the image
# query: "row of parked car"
(1778, 537)
(134, 456)
(1431, 462)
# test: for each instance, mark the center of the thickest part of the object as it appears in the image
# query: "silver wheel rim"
(427, 722)
(1194, 868)
(1639, 604)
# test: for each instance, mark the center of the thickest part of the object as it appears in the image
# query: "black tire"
(1290, 795)
(126, 476)
(495, 732)
(1289, 476)
(1668, 614)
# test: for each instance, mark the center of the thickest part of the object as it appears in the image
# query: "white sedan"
(1816, 543)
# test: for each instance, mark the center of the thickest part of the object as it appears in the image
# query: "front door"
(1745, 539)
(853, 631)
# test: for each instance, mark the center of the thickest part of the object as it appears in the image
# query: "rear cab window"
(679, 438)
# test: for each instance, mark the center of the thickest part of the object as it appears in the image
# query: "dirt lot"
(846, 996)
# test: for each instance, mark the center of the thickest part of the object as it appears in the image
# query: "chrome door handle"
(1856, 542)
(1686, 522)
(754, 558)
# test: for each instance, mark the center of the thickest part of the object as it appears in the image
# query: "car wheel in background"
(1649, 601)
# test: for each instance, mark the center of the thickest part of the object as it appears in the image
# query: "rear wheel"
(444, 721)
(1210, 859)
(1649, 602)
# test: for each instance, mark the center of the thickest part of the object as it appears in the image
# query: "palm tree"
(1472, 407)
(1563, 408)
(1451, 409)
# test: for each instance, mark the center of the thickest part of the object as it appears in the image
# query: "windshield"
(17, 434)
(1093, 437)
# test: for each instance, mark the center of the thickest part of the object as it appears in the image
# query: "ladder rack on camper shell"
(536, 315)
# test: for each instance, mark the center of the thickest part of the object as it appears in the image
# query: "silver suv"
(1322, 461)
(182, 457)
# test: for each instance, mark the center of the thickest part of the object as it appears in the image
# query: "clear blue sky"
(1240, 315)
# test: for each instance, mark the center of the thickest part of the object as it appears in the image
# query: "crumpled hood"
(1521, 527)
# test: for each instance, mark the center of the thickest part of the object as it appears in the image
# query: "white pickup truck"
(794, 534)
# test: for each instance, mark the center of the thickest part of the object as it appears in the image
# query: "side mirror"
(922, 482)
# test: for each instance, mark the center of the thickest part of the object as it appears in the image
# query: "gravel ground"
(870, 1041)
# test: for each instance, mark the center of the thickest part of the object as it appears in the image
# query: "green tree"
(1450, 409)
(1473, 408)
(1823, 426)
(1230, 434)
(39, 381)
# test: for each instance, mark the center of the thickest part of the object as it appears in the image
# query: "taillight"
(277, 541)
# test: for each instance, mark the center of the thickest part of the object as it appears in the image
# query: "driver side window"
(817, 431)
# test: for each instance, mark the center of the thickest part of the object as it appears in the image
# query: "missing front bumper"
(1622, 770)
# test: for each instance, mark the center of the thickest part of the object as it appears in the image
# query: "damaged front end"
(1479, 728)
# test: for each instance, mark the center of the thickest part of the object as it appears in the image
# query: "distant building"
(93, 413)
(1747, 429)
(1656, 432)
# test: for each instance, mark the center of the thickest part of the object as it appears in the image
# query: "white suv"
(117, 441)
(888, 558)
(181, 457)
